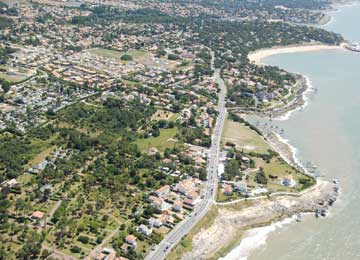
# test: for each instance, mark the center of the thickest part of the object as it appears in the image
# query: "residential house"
(189, 202)
(38, 215)
(193, 195)
(155, 222)
(177, 206)
(185, 186)
(240, 186)
(156, 202)
(131, 240)
(163, 191)
(228, 190)
(143, 229)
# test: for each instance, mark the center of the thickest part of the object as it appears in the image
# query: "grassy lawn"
(221, 197)
(174, 117)
(185, 67)
(142, 247)
(161, 142)
(244, 138)
(42, 155)
(278, 167)
(162, 114)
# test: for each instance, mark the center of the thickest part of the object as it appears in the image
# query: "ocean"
(326, 132)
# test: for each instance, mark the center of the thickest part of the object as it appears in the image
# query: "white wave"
(331, 20)
(294, 152)
(254, 239)
(310, 88)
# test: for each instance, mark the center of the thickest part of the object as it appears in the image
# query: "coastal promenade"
(160, 251)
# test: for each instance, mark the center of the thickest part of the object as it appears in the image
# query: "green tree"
(126, 57)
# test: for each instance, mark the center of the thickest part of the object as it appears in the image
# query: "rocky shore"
(232, 221)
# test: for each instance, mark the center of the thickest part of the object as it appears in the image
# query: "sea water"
(327, 133)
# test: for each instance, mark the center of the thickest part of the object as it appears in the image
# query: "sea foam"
(254, 239)
(310, 89)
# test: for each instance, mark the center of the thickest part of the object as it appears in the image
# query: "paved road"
(160, 251)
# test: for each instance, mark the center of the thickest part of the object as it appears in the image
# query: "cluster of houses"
(254, 86)
(29, 101)
(67, 52)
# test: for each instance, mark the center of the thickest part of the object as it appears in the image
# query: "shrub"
(172, 57)
(261, 178)
(75, 250)
(83, 239)
(126, 57)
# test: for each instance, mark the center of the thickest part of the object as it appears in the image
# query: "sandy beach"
(259, 55)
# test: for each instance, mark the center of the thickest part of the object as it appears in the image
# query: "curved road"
(160, 251)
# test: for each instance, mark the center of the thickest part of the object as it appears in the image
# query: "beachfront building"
(228, 190)
(240, 186)
(288, 181)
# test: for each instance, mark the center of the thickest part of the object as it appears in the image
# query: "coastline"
(301, 88)
(258, 55)
(242, 233)
(234, 222)
(308, 201)
(242, 226)
(303, 83)
(258, 235)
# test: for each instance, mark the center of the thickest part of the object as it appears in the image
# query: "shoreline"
(308, 201)
(248, 223)
(283, 209)
(301, 88)
(258, 55)
(259, 235)
(234, 222)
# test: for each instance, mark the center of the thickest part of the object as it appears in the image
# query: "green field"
(280, 168)
(244, 138)
(12, 78)
(161, 142)
(113, 54)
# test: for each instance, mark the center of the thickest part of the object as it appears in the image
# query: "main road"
(160, 251)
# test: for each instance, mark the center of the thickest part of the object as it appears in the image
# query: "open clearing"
(146, 58)
(15, 75)
(160, 142)
(138, 56)
(244, 137)
(162, 114)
